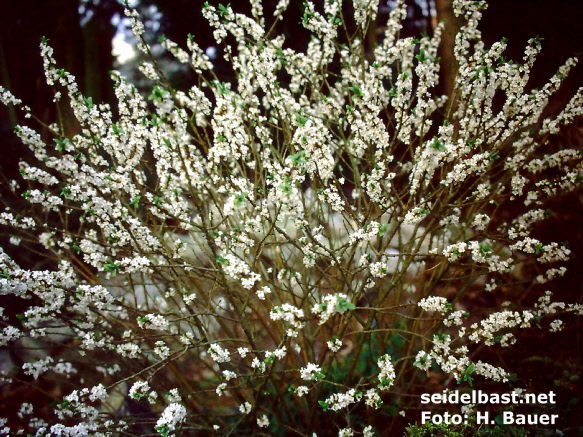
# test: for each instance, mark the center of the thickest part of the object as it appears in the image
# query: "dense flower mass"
(298, 240)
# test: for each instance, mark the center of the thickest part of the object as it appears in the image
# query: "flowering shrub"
(290, 251)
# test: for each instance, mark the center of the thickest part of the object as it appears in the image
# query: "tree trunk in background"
(22, 24)
(448, 65)
(6, 83)
(66, 38)
(97, 36)
(67, 43)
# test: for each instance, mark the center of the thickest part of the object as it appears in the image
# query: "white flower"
(288, 313)
(172, 415)
(338, 401)
(219, 354)
(481, 221)
(140, 389)
(280, 353)
(162, 350)
(334, 345)
(37, 368)
(310, 372)
(455, 318)
(263, 421)
(221, 388)
(245, 408)
(368, 431)
(153, 321)
(386, 372)
(173, 396)
(455, 251)
(415, 215)
(423, 360)
(332, 304)
(256, 364)
(556, 325)
(434, 303)
(98, 393)
(263, 291)
(373, 399)
(25, 410)
(228, 375)
(302, 390)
